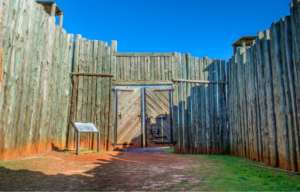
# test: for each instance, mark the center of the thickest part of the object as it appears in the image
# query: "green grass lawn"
(226, 173)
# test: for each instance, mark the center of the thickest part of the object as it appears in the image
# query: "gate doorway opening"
(143, 116)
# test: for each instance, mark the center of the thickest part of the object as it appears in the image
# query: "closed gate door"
(158, 116)
(128, 117)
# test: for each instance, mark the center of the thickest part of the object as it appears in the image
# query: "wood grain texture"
(158, 115)
(128, 120)
(279, 99)
(111, 127)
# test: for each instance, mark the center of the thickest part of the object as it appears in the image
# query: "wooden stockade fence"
(35, 61)
(264, 95)
(200, 121)
(196, 125)
(94, 67)
(249, 106)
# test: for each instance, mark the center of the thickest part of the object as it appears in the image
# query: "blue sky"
(200, 27)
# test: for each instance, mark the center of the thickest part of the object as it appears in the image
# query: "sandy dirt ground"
(149, 169)
(134, 169)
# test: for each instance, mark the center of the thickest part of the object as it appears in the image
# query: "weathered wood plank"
(90, 69)
(112, 96)
(215, 112)
(285, 43)
(163, 66)
(192, 100)
(241, 102)
(148, 70)
(84, 136)
(100, 93)
(176, 112)
(5, 50)
(253, 104)
(202, 109)
(30, 62)
(256, 104)
(152, 69)
(220, 109)
(270, 100)
(138, 68)
(279, 99)
(158, 67)
(184, 100)
(23, 80)
(31, 111)
(72, 133)
(288, 40)
(133, 68)
(58, 103)
(224, 109)
(93, 118)
(142, 67)
(231, 105)
(239, 128)
(54, 85)
(44, 136)
(245, 110)
(122, 60)
(295, 22)
(212, 141)
(127, 66)
(248, 106)
(196, 106)
(262, 97)
(189, 103)
(12, 66)
(170, 66)
(66, 89)
(4, 26)
(107, 93)
(235, 107)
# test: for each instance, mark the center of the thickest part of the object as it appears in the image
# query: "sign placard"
(86, 127)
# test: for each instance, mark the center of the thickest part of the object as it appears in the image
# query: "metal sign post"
(85, 127)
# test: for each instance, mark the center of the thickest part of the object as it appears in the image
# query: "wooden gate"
(128, 117)
(158, 116)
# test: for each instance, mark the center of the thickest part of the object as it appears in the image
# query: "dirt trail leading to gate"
(139, 170)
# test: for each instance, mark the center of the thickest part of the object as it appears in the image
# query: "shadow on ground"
(139, 169)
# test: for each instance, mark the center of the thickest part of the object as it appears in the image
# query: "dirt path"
(135, 169)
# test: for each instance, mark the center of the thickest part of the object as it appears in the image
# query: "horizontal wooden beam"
(199, 81)
(93, 74)
(143, 54)
(142, 83)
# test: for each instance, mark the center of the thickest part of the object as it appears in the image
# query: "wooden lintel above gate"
(142, 83)
(144, 54)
